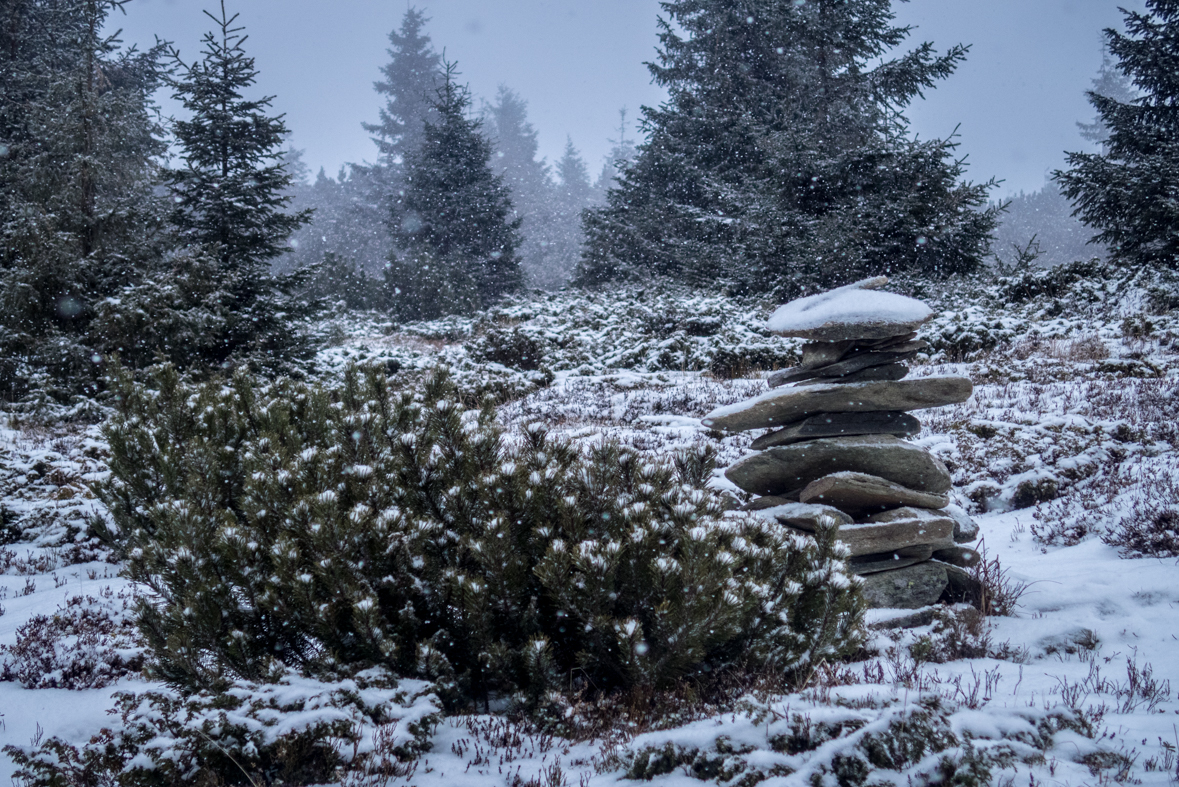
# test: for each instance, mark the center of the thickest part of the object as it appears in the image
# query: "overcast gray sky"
(1016, 100)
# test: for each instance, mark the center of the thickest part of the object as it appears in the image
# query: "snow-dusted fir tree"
(573, 193)
(78, 217)
(514, 155)
(782, 158)
(364, 213)
(1127, 191)
(1111, 83)
(457, 225)
(231, 189)
(622, 151)
(408, 84)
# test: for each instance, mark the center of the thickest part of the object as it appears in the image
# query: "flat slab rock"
(889, 371)
(890, 561)
(907, 588)
(859, 493)
(839, 371)
(785, 470)
(965, 528)
(963, 557)
(875, 538)
(784, 406)
(803, 516)
(857, 311)
(841, 425)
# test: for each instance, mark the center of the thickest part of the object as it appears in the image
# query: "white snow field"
(1069, 438)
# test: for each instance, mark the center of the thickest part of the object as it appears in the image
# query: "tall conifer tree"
(573, 194)
(622, 151)
(1111, 83)
(409, 81)
(515, 145)
(782, 157)
(1128, 191)
(232, 188)
(78, 217)
(456, 224)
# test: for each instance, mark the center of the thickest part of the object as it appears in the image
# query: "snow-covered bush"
(1151, 527)
(925, 740)
(331, 531)
(88, 643)
(640, 329)
(295, 731)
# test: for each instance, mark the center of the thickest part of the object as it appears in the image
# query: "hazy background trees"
(781, 161)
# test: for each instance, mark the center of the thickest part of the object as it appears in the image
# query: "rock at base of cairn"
(890, 561)
(907, 588)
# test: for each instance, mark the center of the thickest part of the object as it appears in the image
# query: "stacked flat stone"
(837, 449)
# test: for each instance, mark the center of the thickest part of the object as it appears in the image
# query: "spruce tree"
(1127, 191)
(409, 81)
(782, 158)
(514, 145)
(78, 216)
(455, 213)
(622, 151)
(370, 191)
(1111, 83)
(348, 220)
(573, 195)
(232, 189)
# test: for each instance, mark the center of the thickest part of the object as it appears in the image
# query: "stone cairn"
(837, 451)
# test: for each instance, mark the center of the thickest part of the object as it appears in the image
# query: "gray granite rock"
(769, 501)
(965, 528)
(873, 538)
(850, 365)
(841, 425)
(860, 494)
(907, 588)
(858, 362)
(805, 517)
(943, 524)
(783, 406)
(905, 620)
(785, 469)
(911, 346)
(818, 354)
(963, 587)
(851, 312)
(963, 557)
(890, 371)
(890, 561)
(887, 341)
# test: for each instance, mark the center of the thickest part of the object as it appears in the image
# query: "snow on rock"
(857, 311)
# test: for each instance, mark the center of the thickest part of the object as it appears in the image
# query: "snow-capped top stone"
(857, 311)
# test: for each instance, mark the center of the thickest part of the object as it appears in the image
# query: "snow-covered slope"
(1068, 442)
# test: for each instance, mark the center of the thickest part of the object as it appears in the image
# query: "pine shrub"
(295, 732)
(288, 527)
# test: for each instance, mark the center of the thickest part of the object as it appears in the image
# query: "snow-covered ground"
(1071, 434)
